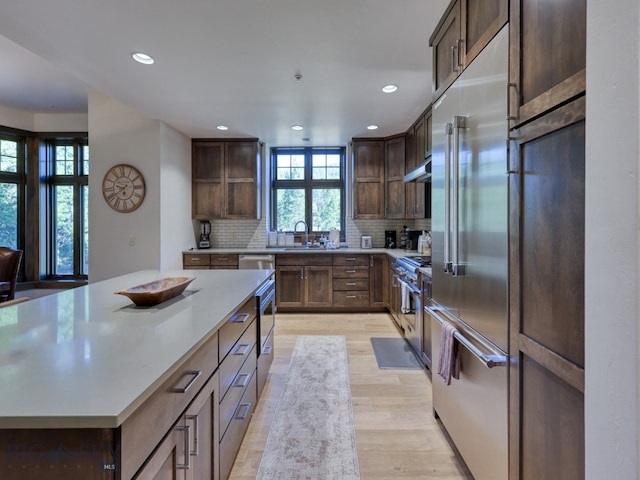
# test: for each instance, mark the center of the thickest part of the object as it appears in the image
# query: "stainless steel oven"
(266, 302)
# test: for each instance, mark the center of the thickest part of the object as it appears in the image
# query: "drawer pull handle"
(351, 271)
(247, 408)
(194, 452)
(351, 296)
(194, 375)
(351, 259)
(267, 350)
(245, 381)
(239, 318)
(244, 347)
(187, 447)
(351, 284)
(196, 259)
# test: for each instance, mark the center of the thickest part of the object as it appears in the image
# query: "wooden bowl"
(158, 291)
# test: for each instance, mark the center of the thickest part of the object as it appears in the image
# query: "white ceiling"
(230, 62)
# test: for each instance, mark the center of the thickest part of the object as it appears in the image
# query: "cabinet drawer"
(239, 383)
(196, 260)
(144, 429)
(350, 272)
(350, 284)
(232, 439)
(303, 259)
(235, 326)
(231, 365)
(351, 260)
(351, 298)
(221, 260)
(264, 361)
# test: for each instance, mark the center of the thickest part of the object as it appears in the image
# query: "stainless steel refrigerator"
(469, 258)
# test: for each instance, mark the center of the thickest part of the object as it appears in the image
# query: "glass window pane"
(8, 155)
(290, 208)
(63, 230)
(85, 160)
(64, 160)
(290, 167)
(84, 241)
(9, 214)
(325, 209)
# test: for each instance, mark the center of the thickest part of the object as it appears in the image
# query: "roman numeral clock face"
(123, 188)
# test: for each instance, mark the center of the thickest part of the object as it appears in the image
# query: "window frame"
(18, 178)
(77, 180)
(308, 184)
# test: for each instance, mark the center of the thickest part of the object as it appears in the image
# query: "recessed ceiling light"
(222, 127)
(372, 127)
(297, 127)
(143, 58)
(390, 88)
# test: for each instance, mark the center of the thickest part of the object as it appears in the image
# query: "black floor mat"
(394, 353)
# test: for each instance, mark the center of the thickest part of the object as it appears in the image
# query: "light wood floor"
(396, 434)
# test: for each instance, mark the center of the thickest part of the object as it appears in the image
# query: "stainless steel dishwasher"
(256, 262)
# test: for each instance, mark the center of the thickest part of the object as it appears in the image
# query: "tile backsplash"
(253, 233)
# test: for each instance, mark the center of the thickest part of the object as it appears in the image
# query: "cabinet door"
(164, 463)
(318, 286)
(394, 177)
(207, 170)
(481, 20)
(420, 143)
(200, 418)
(368, 173)
(290, 282)
(378, 280)
(548, 55)
(241, 179)
(546, 297)
(446, 41)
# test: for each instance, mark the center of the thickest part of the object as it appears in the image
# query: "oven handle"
(414, 288)
(489, 360)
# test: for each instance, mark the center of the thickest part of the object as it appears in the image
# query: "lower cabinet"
(304, 281)
(351, 281)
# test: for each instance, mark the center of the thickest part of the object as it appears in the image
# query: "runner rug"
(313, 435)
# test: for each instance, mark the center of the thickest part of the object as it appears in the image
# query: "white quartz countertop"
(87, 357)
(394, 252)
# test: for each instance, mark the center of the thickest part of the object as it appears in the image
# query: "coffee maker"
(205, 233)
(390, 239)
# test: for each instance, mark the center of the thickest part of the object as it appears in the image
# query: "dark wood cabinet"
(225, 179)
(350, 281)
(368, 179)
(546, 278)
(208, 261)
(548, 55)
(464, 30)
(378, 280)
(304, 281)
(394, 177)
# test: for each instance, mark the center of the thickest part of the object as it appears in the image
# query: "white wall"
(118, 134)
(43, 122)
(611, 303)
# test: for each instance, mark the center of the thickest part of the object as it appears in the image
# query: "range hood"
(420, 174)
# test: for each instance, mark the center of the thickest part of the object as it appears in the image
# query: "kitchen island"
(94, 386)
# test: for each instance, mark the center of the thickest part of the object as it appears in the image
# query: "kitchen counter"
(87, 358)
(394, 252)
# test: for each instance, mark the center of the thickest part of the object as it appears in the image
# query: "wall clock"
(123, 188)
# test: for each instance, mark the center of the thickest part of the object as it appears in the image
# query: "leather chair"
(9, 266)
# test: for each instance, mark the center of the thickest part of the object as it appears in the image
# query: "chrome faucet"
(306, 231)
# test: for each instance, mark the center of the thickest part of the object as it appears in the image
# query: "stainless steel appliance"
(205, 234)
(410, 312)
(365, 241)
(469, 254)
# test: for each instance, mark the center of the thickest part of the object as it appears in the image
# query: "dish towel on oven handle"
(449, 359)
(405, 298)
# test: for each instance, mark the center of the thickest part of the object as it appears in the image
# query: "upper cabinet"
(395, 158)
(548, 56)
(225, 179)
(368, 179)
(464, 30)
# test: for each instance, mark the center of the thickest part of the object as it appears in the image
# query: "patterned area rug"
(313, 435)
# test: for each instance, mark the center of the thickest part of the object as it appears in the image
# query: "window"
(11, 191)
(68, 208)
(308, 184)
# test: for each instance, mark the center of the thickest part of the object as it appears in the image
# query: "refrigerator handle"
(448, 130)
(459, 122)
